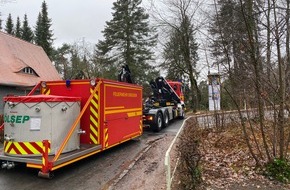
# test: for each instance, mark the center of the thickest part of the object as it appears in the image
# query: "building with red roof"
(22, 66)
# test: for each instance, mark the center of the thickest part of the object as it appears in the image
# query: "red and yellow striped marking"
(106, 137)
(94, 118)
(45, 91)
(141, 125)
(23, 148)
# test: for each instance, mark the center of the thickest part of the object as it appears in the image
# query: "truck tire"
(182, 115)
(158, 123)
(165, 119)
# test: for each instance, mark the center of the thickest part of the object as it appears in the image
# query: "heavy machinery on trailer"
(165, 104)
(61, 122)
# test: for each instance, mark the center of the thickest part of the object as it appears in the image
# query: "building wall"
(7, 90)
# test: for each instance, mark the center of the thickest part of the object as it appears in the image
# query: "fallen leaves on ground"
(226, 163)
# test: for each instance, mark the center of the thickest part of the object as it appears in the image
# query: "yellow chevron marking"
(31, 148)
(48, 92)
(94, 112)
(93, 139)
(94, 124)
(94, 130)
(96, 96)
(106, 137)
(7, 145)
(12, 151)
(20, 149)
(93, 120)
(94, 103)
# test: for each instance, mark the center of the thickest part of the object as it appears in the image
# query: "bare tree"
(179, 17)
(265, 50)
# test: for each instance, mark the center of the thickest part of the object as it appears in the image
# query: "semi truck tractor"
(165, 104)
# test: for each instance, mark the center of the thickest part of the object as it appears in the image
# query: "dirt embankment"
(225, 164)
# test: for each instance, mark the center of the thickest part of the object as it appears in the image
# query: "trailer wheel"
(165, 119)
(158, 123)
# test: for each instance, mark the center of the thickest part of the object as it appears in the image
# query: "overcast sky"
(72, 20)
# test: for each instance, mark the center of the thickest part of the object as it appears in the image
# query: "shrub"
(279, 170)
(188, 146)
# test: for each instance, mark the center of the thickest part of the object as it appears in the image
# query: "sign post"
(214, 92)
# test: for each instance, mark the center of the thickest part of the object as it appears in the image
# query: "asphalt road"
(95, 172)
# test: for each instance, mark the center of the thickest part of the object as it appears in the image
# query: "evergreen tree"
(180, 55)
(26, 31)
(18, 32)
(62, 63)
(174, 63)
(128, 41)
(43, 33)
(230, 46)
(9, 27)
(77, 65)
(38, 30)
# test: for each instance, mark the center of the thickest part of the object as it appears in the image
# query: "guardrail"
(167, 162)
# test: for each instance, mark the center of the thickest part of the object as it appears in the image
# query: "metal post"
(45, 165)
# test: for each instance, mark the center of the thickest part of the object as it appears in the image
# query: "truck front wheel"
(158, 123)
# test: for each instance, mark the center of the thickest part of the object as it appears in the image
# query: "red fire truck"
(61, 122)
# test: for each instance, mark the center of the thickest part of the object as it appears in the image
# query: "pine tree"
(128, 40)
(9, 27)
(43, 33)
(230, 46)
(26, 31)
(18, 28)
(38, 30)
(180, 55)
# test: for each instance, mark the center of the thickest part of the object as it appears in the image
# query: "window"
(29, 70)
